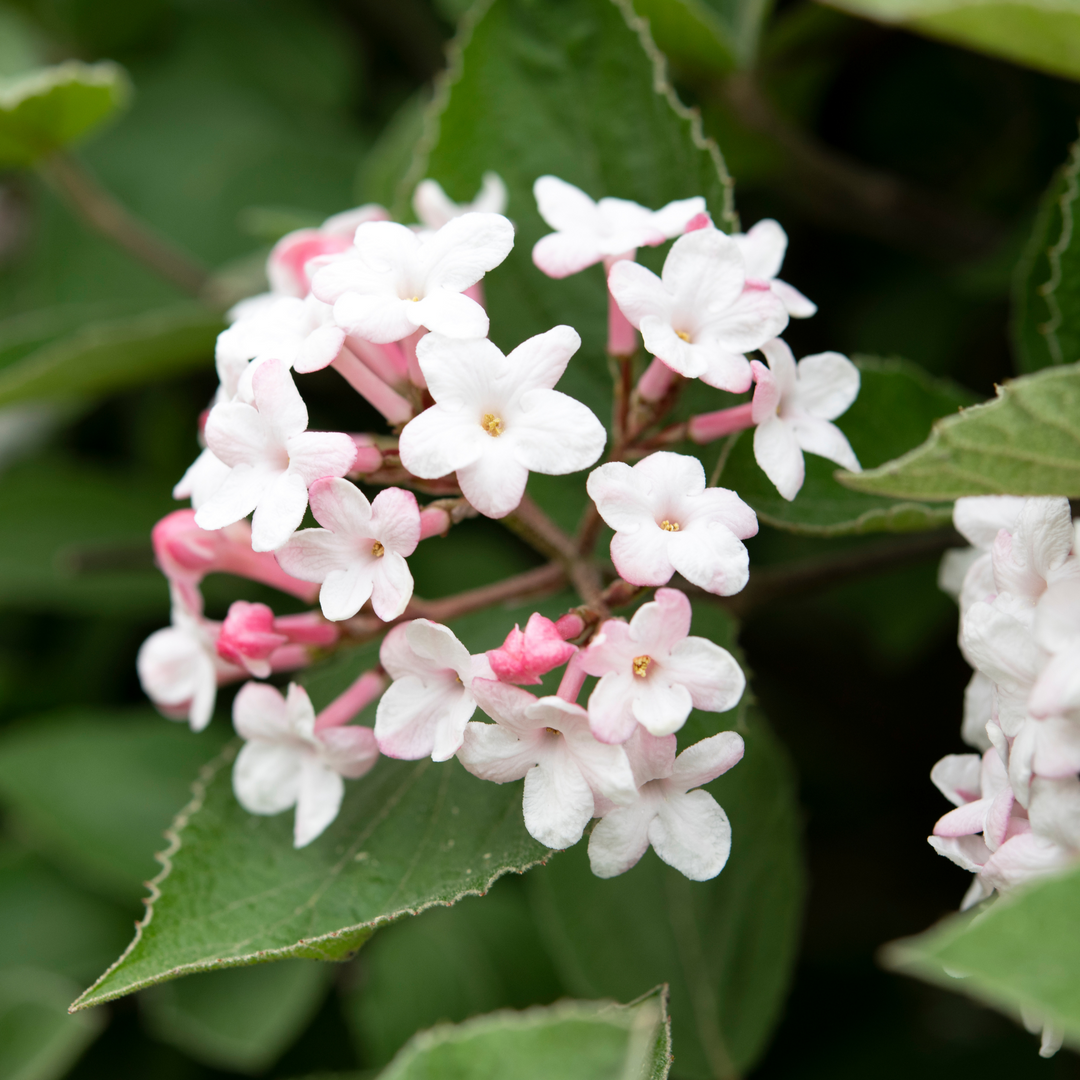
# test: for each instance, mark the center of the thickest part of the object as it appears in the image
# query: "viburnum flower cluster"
(1017, 801)
(399, 313)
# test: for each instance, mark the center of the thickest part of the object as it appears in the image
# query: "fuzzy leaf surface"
(1046, 289)
(1024, 442)
(45, 110)
(1042, 34)
(1017, 952)
(573, 1040)
(896, 389)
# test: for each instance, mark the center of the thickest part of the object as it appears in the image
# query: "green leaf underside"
(572, 1040)
(576, 89)
(38, 1040)
(114, 354)
(1042, 34)
(234, 890)
(46, 110)
(896, 389)
(1024, 442)
(241, 1018)
(1017, 952)
(1046, 289)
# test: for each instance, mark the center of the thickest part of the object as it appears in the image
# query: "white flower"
(434, 208)
(547, 741)
(1057, 631)
(666, 520)
(395, 281)
(179, 667)
(966, 574)
(588, 232)
(652, 674)
(286, 762)
(792, 407)
(427, 706)
(687, 828)
(360, 551)
(203, 479)
(496, 417)
(763, 249)
(273, 459)
(698, 318)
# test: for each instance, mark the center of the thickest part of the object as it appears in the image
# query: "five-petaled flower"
(273, 459)
(700, 316)
(434, 208)
(652, 674)
(547, 741)
(792, 408)
(763, 249)
(359, 553)
(666, 520)
(287, 762)
(395, 281)
(496, 418)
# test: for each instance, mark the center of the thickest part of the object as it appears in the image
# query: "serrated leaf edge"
(207, 773)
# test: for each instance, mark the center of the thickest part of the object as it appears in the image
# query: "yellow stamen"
(641, 666)
(669, 526)
(378, 550)
(416, 300)
(681, 333)
(492, 424)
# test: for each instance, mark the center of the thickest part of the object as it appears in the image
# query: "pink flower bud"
(290, 255)
(252, 638)
(527, 654)
(699, 221)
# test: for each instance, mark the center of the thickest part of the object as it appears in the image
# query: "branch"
(98, 208)
(849, 194)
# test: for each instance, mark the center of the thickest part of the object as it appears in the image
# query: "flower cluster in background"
(398, 311)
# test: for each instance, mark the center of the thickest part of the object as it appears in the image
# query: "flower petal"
(266, 777)
(692, 833)
(779, 456)
(318, 800)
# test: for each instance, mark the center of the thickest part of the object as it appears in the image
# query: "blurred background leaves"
(908, 173)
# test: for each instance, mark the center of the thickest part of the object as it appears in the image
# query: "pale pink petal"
(397, 656)
(692, 834)
(671, 220)
(438, 442)
(753, 319)
(450, 313)
(640, 293)
(763, 247)
(279, 513)
(965, 820)
(463, 250)
(238, 434)
(620, 839)
(495, 753)
(318, 800)
(542, 359)
(320, 349)
(350, 750)
(555, 434)
(958, 777)
(460, 372)
(374, 316)
(710, 556)
(826, 440)
(561, 254)
(494, 483)
(508, 706)
(662, 340)
(315, 454)
(624, 502)
(711, 675)
(643, 557)
(411, 714)
(346, 590)
(798, 306)
(828, 384)
(266, 777)
(557, 801)
(980, 518)
(779, 456)
(782, 365)
(437, 643)
(705, 270)
(661, 707)
(311, 554)
(340, 506)
(278, 400)
(235, 498)
(563, 206)
(611, 708)
(392, 586)
(395, 520)
(662, 623)
(725, 370)
(706, 760)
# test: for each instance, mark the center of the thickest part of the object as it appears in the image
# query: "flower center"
(683, 334)
(492, 424)
(552, 731)
(378, 550)
(669, 526)
(641, 666)
(416, 299)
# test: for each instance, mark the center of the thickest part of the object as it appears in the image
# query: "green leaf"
(575, 88)
(97, 790)
(242, 1019)
(45, 110)
(1024, 442)
(51, 924)
(114, 354)
(573, 1040)
(726, 947)
(1019, 952)
(1042, 34)
(38, 1039)
(691, 35)
(896, 406)
(1046, 287)
(449, 964)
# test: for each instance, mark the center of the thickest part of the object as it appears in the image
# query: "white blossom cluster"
(399, 313)
(1017, 814)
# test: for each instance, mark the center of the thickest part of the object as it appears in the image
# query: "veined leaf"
(897, 404)
(1017, 953)
(113, 354)
(1043, 34)
(691, 34)
(1046, 289)
(573, 1040)
(45, 110)
(1024, 442)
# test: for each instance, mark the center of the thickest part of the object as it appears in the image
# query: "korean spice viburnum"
(272, 457)
(497, 418)
(666, 521)
(286, 761)
(700, 316)
(685, 825)
(651, 673)
(548, 742)
(763, 248)
(426, 708)
(359, 553)
(395, 281)
(434, 208)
